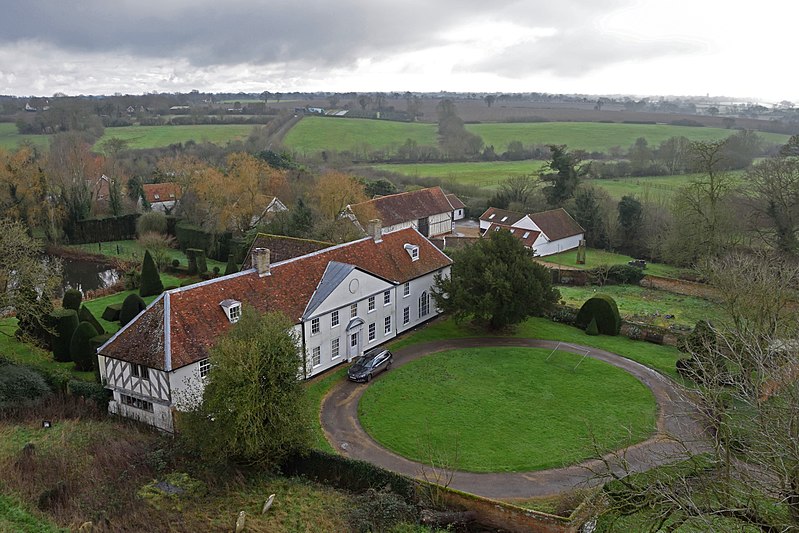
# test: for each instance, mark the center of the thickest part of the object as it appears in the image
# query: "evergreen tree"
(564, 176)
(150, 279)
(80, 347)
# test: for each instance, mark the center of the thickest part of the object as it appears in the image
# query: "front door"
(353, 344)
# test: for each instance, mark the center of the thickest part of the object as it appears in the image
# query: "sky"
(679, 47)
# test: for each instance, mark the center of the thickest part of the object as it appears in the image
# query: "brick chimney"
(260, 260)
(376, 229)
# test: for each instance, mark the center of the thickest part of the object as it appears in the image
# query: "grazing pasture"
(160, 136)
(10, 138)
(314, 134)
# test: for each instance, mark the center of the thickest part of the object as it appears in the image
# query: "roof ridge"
(400, 194)
(126, 326)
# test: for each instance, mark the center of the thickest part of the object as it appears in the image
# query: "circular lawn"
(506, 409)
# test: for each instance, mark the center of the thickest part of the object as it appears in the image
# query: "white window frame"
(315, 326)
(316, 356)
(353, 310)
(424, 304)
(387, 325)
(139, 371)
(370, 305)
(334, 322)
(136, 403)
(335, 349)
(406, 316)
(386, 298)
(235, 313)
(205, 367)
(372, 332)
(406, 289)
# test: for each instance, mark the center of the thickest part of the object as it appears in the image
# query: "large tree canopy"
(495, 281)
(253, 408)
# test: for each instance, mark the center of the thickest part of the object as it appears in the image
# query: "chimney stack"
(260, 260)
(376, 229)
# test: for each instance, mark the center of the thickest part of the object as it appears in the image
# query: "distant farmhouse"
(547, 233)
(428, 210)
(161, 197)
(343, 300)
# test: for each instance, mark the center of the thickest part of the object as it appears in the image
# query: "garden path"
(679, 430)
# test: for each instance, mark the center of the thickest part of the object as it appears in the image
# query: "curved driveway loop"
(679, 430)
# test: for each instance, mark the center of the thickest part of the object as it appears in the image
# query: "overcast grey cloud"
(93, 46)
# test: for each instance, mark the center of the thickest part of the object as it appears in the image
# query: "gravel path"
(678, 430)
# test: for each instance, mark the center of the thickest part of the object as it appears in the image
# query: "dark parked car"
(370, 364)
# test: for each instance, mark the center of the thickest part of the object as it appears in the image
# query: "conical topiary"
(592, 328)
(84, 315)
(80, 347)
(131, 307)
(72, 299)
(150, 279)
(231, 267)
(65, 322)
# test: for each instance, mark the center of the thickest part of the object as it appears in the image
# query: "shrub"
(111, 313)
(197, 263)
(80, 347)
(151, 222)
(190, 281)
(625, 274)
(71, 299)
(20, 385)
(216, 271)
(231, 267)
(65, 322)
(150, 279)
(380, 510)
(94, 392)
(603, 309)
(634, 333)
(175, 263)
(84, 315)
(131, 307)
(132, 279)
(592, 328)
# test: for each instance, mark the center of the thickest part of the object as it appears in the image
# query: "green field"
(130, 250)
(595, 258)
(10, 139)
(596, 136)
(314, 134)
(160, 136)
(543, 413)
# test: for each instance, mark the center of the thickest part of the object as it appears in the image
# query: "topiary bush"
(603, 309)
(84, 315)
(625, 274)
(80, 347)
(231, 267)
(72, 299)
(111, 313)
(20, 385)
(592, 328)
(65, 322)
(131, 307)
(95, 343)
(151, 284)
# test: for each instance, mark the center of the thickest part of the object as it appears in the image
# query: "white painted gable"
(356, 286)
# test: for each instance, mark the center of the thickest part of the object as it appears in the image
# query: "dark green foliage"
(592, 328)
(91, 391)
(150, 278)
(231, 267)
(564, 176)
(622, 274)
(132, 279)
(704, 360)
(65, 322)
(20, 385)
(111, 313)
(631, 216)
(151, 222)
(131, 307)
(588, 213)
(72, 299)
(197, 264)
(380, 510)
(381, 187)
(603, 309)
(33, 319)
(54, 497)
(496, 282)
(80, 347)
(216, 246)
(190, 281)
(102, 229)
(95, 343)
(84, 315)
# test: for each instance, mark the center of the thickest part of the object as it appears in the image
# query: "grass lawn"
(660, 358)
(316, 391)
(597, 136)
(484, 174)
(15, 517)
(27, 353)
(314, 134)
(10, 138)
(506, 409)
(131, 250)
(160, 136)
(640, 304)
(595, 258)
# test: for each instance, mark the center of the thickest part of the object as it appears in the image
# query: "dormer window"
(413, 251)
(232, 309)
(504, 219)
(492, 215)
(157, 196)
(171, 195)
(526, 234)
(512, 230)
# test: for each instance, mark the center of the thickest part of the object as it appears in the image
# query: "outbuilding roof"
(501, 216)
(557, 224)
(402, 207)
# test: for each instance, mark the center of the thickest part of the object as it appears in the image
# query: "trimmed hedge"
(151, 284)
(94, 392)
(111, 312)
(84, 315)
(65, 322)
(603, 309)
(197, 263)
(131, 307)
(216, 246)
(80, 347)
(592, 328)
(231, 267)
(72, 299)
(106, 229)
(348, 474)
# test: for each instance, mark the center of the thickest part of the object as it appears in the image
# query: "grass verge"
(595, 258)
(316, 391)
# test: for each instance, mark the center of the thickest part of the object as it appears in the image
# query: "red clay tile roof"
(196, 318)
(519, 233)
(282, 248)
(512, 216)
(166, 192)
(455, 202)
(402, 207)
(557, 224)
